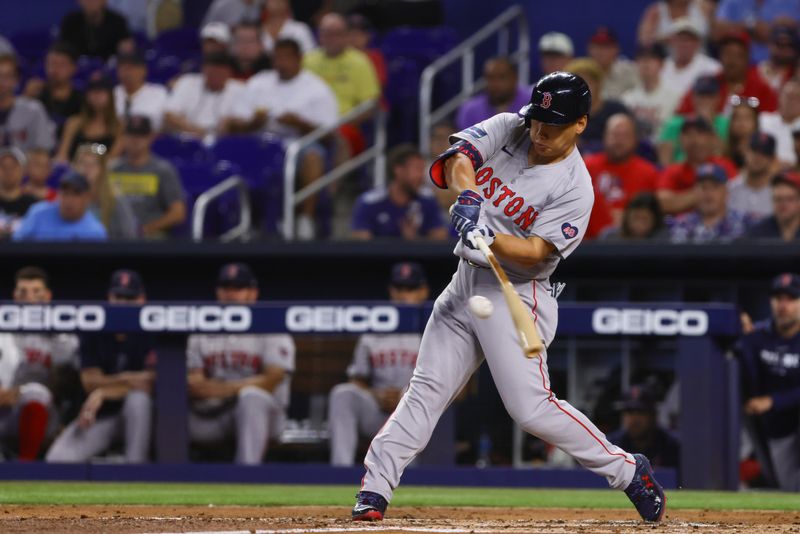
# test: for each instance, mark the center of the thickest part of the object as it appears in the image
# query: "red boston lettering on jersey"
(513, 206)
(514, 203)
(37, 357)
(504, 195)
(488, 192)
(527, 218)
(483, 175)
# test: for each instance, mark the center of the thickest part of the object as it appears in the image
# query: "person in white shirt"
(233, 12)
(279, 24)
(200, 103)
(619, 72)
(656, 22)
(134, 95)
(750, 192)
(781, 123)
(290, 102)
(687, 62)
(651, 101)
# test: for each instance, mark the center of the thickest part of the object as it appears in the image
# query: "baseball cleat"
(369, 507)
(645, 492)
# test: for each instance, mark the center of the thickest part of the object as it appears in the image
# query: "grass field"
(86, 493)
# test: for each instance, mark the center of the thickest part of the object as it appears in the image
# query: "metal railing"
(376, 154)
(205, 199)
(500, 27)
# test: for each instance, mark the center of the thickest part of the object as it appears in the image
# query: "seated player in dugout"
(381, 368)
(118, 373)
(28, 406)
(239, 384)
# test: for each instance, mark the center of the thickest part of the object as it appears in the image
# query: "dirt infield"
(143, 519)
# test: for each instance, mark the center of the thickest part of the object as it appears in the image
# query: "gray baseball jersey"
(39, 353)
(385, 360)
(549, 201)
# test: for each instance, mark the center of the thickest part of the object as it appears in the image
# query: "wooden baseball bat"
(529, 338)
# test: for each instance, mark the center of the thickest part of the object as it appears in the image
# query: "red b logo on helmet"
(547, 99)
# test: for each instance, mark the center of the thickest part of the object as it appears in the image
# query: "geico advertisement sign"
(650, 322)
(86, 317)
(195, 318)
(342, 319)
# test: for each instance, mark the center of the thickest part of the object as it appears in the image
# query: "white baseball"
(481, 306)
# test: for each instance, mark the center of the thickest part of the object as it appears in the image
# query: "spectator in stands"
(118, 373)
(67, 219)
(14, 201)
(134, 95)
(771, 378)
(200, 104)
(278, 23)
(57, 92)
(642, 219)
(618, 172)
(676, 187)
(381, 368)
(705, 101)
(784, 51)
(784, 223)
(215, 38)
(743, 124)
(755, 18)
(619, 73)
(149, 183)
(37, 174)
(97, 123)
(555, 52)
(23, 121)
(404, 209)
(750, 192)
(239, 385)
(640, 432)
(360, 36)
(233, 12)
(658, 18)
(248, 53)
(290, 101)
(95, 30)
(796, 139)
(28, 414)
(687, 62)
(503, 94)
(781, 123)
(652, 101)
(592, 137)
(712, 219)
(113, 210)
(737, 76)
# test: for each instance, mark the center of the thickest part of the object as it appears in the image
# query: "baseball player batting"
(524, 189)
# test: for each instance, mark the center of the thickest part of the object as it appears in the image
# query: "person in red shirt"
(676, 185)
(738, 77)
(617, 171)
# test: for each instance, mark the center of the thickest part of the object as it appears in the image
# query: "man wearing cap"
(23, 121)
(555, 52)
(57, 92)
(784, 223)
(118, 374)
(215, 38)
(239, 384)
(200, 103)
(379, 373)
(675, 187)
(640, 431)
(687, 62)
(755, 17)
(249, 57)
(503, 94)
(619, 73)
(783, 122)
(135, 95)
(14, 201)
(770, 358)
(784, 51)
(750, 192)
(68, 219)
(652, 102)
(712, 220)
(95, 30)
(150, 183)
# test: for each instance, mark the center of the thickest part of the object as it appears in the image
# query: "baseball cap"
(216, 31)
(735, 36)
(14, 152)
(696, 122)
(604, 36)
(556, 43)
(787, 177)
(684, 25)
(786, 284)
(138, 125)
(785, 35)
(99, 82)
(408, 274)
(639, 398)
(706, 85)
(133, 58)
(126, 284)
(712, 172)
(238, 275)
(763, 143)
(74, 181)
(656, 50)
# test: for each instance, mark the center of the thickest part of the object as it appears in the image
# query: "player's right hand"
(90, 408)
(466, 209)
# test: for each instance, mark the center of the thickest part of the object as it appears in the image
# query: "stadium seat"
(182, 42)
(199, 176)
(32, 45)
(181, 149)
(421, 44)
(162, 69)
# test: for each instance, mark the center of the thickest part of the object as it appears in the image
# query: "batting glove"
(471, 231)
(466, 209)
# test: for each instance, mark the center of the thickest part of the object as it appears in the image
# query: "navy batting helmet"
(558, 98)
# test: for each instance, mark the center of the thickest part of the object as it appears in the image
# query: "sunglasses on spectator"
(749, 101)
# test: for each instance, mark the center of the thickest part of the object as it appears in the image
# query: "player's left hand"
(472, 231)
(90, 408)
(758, 405)
(466, 209)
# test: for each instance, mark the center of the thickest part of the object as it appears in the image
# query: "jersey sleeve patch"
(569, 231)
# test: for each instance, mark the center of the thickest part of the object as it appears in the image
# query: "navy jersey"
(771, 366)
(376, 213)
